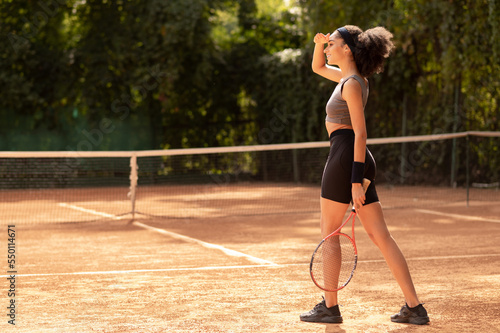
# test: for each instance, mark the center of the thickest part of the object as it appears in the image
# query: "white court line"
(457, 216)
(205, 244)
(209, 268)
(90, 211)
(176, 236)
(467, 256)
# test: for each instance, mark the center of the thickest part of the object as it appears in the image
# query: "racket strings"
(334, 262)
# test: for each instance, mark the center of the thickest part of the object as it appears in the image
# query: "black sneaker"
(321, 314)
(416, 315)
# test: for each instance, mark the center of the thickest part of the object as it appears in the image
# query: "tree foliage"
(130, 74)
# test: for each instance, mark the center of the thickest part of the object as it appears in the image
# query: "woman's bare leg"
(332, 215)
(372, 218)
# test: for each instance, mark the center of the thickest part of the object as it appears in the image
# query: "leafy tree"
(130, 74)
(33, 49)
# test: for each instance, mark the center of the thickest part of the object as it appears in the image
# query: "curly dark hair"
(372, 47)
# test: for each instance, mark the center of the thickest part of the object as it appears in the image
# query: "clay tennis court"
(94, 270)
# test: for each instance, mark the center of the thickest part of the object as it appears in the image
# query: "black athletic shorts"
(336, 181)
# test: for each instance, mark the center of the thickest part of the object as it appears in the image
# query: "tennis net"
(59, 187)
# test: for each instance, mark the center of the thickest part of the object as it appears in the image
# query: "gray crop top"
(336, 108)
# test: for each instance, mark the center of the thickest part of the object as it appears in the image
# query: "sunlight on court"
(253, 269)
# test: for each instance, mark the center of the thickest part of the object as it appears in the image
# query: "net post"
(467, 143)
(402, 166)
(456, 110)
(296, 173)
(133, 182)
(453, 162)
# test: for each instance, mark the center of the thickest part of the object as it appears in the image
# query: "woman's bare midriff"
(332, 127)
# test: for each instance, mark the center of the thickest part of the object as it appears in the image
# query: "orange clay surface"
(117, 275)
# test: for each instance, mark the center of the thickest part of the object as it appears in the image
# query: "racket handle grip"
(366, 182)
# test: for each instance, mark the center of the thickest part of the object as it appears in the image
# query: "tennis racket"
(335, 258)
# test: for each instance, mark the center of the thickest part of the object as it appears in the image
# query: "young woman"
(358, 55)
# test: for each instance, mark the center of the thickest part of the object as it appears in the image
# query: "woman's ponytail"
(373, 46)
